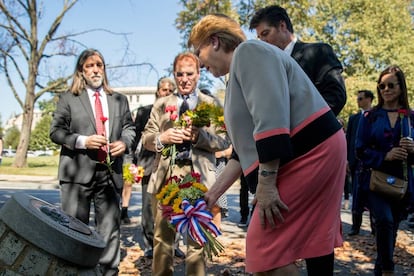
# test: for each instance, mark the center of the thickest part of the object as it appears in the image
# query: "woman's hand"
(407, 143)
(396, 153)
(268, 201)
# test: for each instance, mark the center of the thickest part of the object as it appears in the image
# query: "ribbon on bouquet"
(193, 219)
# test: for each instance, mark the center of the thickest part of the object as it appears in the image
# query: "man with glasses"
(318, 60)
(145, 158)
(195, 152)
(359, 175)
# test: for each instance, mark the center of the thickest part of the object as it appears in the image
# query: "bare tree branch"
(11, 85)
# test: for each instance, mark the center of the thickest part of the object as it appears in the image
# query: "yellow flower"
(200, 186)
(177, 206)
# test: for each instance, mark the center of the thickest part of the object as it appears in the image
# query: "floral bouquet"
(204, 114)
(182, 204)
(132, 173)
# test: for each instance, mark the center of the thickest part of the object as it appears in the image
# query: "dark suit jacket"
(144, 158)
(320, 63)
(74, 117)
(351, 132)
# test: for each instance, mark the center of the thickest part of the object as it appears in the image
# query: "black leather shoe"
(178, 253)
(353, 232)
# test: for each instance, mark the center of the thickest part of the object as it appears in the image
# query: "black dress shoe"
(353, 232)
(178, 253)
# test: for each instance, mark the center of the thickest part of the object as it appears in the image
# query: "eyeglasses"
(390, 85)
(360, 98)
(182, 74)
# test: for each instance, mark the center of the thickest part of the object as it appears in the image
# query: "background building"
(137, 97)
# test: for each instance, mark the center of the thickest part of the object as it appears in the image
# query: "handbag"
(387, 185)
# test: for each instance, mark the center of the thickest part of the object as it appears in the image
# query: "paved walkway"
(231, 231)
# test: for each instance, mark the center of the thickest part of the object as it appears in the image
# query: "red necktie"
(100, 125)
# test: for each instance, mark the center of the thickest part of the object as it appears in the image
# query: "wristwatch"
(266, 173)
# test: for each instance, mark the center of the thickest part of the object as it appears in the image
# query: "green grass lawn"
(41, 165)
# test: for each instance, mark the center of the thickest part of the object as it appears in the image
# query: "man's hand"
(194, 134)
(172, 136)
(95, 141)
(117, 148)
(268, 201)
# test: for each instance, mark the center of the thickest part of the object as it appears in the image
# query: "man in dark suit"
(359, 175)
(318, 60)
(145, 158)
(93, 124)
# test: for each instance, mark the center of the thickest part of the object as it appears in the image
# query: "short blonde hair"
(227, 30)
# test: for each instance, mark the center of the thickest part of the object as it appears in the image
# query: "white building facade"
(137, 96)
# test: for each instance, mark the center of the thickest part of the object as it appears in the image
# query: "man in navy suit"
(359, 175)
(90, 119)
(318, 60)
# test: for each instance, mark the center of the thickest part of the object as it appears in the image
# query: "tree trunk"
(21, 153)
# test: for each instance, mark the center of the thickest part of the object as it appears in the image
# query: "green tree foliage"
(367, 35)
(296, 9)
(39, 140)
(196, 9)
(193, 11)
(48, 106)
(11, 138)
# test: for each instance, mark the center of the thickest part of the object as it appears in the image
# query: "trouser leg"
(320, 266)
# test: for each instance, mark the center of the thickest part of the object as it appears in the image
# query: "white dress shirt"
(81, 140)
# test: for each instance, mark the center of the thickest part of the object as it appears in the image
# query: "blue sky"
(152, 38)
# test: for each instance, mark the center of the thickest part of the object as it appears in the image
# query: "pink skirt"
(311, 186)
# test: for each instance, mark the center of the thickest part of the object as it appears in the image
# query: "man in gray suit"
(93, 123)
(196, 148)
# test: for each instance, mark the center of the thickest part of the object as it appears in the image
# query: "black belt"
(183, 162)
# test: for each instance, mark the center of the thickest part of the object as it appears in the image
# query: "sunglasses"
(390, 85)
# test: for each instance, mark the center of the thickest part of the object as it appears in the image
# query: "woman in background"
(383, 141)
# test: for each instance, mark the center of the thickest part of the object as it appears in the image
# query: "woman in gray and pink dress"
(287, 143)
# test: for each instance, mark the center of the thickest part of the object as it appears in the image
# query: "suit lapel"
(84, 99)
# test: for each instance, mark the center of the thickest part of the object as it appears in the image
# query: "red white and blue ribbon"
(193, 218)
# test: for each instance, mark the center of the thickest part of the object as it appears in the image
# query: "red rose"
(403, 112)
(173, 117)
